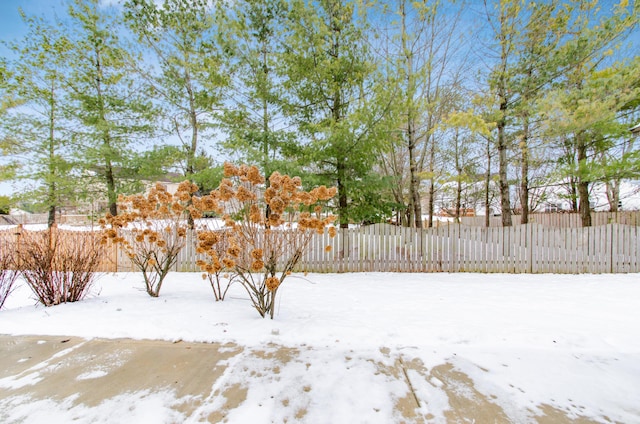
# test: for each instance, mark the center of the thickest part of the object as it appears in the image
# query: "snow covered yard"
(528, 348)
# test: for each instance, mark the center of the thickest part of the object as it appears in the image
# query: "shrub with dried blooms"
(59, 268)
(270, 227)
(217, 268)
(152, 229)
(8, 272)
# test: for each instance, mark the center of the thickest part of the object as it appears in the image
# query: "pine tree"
(506, 24)
(536, 67)
(583, 109)
(187, 70)
(255, 120)
(106, 99)
(7, 171)
(36, 133)
(331, 84)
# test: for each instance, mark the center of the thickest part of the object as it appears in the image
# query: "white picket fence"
(530, 248)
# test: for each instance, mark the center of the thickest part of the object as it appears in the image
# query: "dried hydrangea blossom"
(269, 226)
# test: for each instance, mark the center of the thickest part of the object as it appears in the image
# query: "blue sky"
(12, 28)
(11, 25)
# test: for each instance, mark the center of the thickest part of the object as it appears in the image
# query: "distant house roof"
(636, 129)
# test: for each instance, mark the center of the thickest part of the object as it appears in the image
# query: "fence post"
(344, 253)
(611, 243)
(529, 247)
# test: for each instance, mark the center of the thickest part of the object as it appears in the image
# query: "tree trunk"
(584, 207)
(505, 37)
(573, 194)
(51, 219)
(52, 158)
(613, 195)
(505, 203)
(342, 194)
(487, 187)
(410, 211)
(414, 184)
(193, 122)
(432, 183)
(583, 185)
(414, 189)
(111, 189)
(458, 178)
(458, 199)
(265, 157)
(112, 196)
(524, 180)
(265, 131)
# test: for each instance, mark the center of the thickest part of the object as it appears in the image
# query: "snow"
(568, 341)
(140, 407)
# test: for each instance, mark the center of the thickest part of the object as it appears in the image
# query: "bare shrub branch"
(8, 271)
(59, 268)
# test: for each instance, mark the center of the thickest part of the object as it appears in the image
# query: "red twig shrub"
(58, 267)
(269, 229)
(152, 229)
(8, 272)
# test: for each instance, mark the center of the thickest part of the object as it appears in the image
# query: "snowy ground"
(528, 342)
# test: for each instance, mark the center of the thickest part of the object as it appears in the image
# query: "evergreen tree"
(583, 109)
(330, 81)
(187, 71)
(106, 100)
(36, 134)
(255, 120)
(506, 24)
(544, 27)
(6, 102)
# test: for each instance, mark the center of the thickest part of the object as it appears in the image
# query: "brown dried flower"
(254, 176)
(230, 170)
(244, 195)
(234, 251)
(272, 283)
(277, 205)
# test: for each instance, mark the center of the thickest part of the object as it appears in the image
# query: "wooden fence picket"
(529, 248)
(560, 220)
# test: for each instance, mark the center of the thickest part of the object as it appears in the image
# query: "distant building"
(552, 208)
(451, 212)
